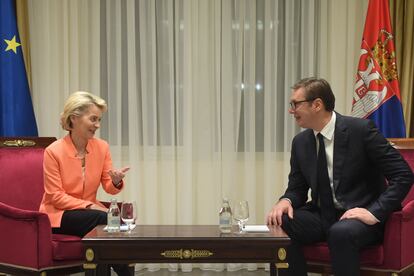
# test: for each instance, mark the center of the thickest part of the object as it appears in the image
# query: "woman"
(75, 166)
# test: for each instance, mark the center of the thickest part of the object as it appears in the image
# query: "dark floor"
(198, 272)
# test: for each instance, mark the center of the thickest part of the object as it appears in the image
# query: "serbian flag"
(16, 110)
(376, 92)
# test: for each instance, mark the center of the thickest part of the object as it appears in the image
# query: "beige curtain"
(197, 90)
(23, 27)
(402, 16)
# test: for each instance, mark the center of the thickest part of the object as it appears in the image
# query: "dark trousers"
(80, 222)
(345, 238)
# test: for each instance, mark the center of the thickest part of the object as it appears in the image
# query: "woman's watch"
(118, 185)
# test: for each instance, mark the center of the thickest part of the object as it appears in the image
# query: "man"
(343, 160)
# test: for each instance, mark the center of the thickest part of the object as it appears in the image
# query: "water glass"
(241, 213)
(128, 213)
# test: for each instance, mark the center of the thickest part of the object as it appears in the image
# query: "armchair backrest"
(406, 148)
(21, 177)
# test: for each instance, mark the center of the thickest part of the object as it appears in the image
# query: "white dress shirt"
(328, 133)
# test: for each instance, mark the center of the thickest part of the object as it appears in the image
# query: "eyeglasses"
(294, 105)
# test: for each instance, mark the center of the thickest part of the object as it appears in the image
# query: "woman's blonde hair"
(77, 104)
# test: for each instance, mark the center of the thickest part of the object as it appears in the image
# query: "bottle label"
(225, 220)
(114, 220)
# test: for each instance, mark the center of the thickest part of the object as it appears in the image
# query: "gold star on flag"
(12, 44)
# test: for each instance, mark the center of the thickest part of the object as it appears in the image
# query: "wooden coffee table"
(185, 244)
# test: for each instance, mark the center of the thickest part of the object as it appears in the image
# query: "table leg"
(90, 269)
(282, 272)
(103, 270)
(131, 269)
(273, 271)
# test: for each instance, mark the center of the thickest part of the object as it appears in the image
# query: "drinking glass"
(128, 213)
(241, 213)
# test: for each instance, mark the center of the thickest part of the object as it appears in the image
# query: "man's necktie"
(328, 212)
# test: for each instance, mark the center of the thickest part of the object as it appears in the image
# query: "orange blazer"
(66, 187)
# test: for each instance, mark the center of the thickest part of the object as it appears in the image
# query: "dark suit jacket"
(362, 158)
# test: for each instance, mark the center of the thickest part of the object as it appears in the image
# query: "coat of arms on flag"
(376, 92)
(376, 69)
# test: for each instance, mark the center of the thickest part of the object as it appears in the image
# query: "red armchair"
(396, 255)
(27, 245)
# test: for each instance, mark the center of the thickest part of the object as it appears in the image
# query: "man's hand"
(274, 217)
(361, 214)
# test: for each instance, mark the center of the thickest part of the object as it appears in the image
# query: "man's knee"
(341, 233)
(291, 229)
(286, 223)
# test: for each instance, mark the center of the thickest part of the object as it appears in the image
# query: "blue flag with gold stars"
(16, 110)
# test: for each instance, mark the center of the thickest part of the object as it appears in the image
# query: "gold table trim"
(187, 253)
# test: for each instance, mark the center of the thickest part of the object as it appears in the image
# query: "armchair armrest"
(408, 211)
(28, 239)
(398, 237)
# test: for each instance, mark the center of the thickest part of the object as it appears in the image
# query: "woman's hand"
(97, 207)
(118, 175)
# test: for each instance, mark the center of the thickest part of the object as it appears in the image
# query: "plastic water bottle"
(114, 217)
(225, 216)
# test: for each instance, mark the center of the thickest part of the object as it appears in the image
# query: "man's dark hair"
(317, 88)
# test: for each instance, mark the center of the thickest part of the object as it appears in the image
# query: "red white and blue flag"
(376, 92)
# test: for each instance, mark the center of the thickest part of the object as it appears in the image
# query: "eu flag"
(16, 110)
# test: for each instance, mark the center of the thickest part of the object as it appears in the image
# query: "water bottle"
(114, 217)
(225, 216)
